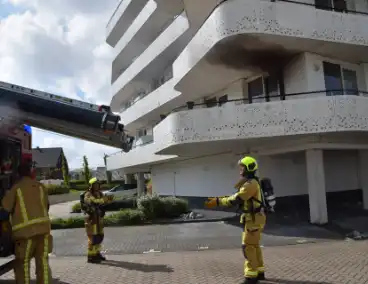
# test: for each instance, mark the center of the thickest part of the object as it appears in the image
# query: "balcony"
(122, 18)
(138, 159)
(149, 108)
(148, 25)
(153, 61)
(242, 38)
(236, 126)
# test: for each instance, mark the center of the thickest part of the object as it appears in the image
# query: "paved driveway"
(335, 262)
(183, 237)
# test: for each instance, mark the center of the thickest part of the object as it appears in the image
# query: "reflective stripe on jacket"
(27, 202)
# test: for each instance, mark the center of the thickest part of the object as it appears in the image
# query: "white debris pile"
(192, 215)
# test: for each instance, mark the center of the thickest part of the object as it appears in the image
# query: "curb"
(163, 222)
(212, 220)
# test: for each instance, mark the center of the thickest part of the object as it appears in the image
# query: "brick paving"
(183, 237)
(335, 262)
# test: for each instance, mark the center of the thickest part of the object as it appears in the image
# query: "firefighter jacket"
(27, 203)
(249, 199)
(95, 212)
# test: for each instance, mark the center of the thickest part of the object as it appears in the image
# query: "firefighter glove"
(212, 202)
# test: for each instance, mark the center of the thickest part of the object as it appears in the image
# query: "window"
(271, 87)
(255, 90)
(350, 82)
(141, 132)
(339, 80)
(333, 82)
(262, 88)
(335, 5)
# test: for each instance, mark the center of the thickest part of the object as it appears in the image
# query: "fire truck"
(21, 108)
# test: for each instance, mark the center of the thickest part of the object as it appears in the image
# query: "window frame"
(342, 78)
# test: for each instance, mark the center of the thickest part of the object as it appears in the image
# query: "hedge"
(149, 209)
(57, 189)
(155, 207)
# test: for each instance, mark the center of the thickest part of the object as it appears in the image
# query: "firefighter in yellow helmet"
(94, 201)
(27, 203)
(250, 200)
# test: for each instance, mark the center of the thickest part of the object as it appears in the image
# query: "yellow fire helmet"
(249, 163)
(93, 180)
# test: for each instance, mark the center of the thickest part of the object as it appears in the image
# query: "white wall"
(216, 175)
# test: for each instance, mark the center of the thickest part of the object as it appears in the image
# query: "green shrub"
(150, 208)
(56, 189)
(76, 208)
(174, 207)
(125, 217)
(155, 207)
(69, 223)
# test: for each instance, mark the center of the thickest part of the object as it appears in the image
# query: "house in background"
(48, 162)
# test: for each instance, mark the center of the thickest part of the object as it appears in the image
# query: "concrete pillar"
(363, 175)
(128, 178)
(140, 184)
(316, 187)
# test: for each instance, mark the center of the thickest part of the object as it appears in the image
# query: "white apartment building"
(200, 83)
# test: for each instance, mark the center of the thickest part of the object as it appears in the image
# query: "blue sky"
(65, 54)
(6, 9)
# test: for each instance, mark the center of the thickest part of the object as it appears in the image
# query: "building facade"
(201, 85)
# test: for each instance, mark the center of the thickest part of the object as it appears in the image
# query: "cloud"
(59, 46)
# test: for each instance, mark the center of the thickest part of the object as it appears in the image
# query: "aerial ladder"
(21, 106)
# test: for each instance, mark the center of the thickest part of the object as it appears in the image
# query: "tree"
(86, 171)
(108, 173)
(65, 169)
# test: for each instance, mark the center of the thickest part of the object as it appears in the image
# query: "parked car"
(122, 190)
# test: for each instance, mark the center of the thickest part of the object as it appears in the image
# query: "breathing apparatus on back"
(249, 169)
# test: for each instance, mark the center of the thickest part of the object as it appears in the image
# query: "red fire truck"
(21, 107)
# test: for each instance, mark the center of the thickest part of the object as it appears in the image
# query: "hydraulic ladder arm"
(63, 115)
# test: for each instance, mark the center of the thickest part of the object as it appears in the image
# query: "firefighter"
(94, 202)
(250, 200)
(27, 203)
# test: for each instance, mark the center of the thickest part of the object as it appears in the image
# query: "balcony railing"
(334, 5)
(219, 103)
(141, 95)
(113, 14)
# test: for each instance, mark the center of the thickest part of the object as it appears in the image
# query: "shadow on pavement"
(282, 281)
(138, 266)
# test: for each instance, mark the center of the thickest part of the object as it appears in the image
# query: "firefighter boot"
(94, 259)
(250, 281)
(101, 257)
(261, 276)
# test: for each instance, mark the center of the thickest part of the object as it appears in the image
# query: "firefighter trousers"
(251, 238)
(95, 234)
(94, 244)
(37, 247)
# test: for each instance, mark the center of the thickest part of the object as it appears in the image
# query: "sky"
(58, 46)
